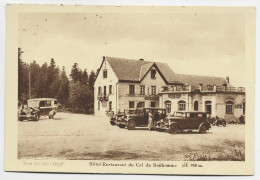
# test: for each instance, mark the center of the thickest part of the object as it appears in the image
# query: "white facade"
(121, 97)
(101, 106)
(151, 90)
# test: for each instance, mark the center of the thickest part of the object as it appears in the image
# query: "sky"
(211, 44)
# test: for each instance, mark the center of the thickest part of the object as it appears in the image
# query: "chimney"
(141, 59)
(227, 79)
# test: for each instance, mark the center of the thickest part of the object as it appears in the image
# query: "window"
(190, 115)
(153, 73)
(131, 104)
(229, 108)
(142, 90)
(153, 90)
(200, 115)
(168, 105)
(140, 104)
(152, 104)
(196, 106)
(110, 89)
(181, 105)
(99, 90)
(165, 89)
(105, 90)
(104, 73)
(110, 106)
(131, 89)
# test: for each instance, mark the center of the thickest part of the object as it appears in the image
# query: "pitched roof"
(135, 70)
(195, 80)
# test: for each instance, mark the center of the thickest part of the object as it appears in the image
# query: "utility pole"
(29, 82)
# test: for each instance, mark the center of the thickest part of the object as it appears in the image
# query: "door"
(196, 106)
(140, 118)
(110, 106)
(208, 107)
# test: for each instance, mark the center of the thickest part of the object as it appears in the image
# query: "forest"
(75, 93)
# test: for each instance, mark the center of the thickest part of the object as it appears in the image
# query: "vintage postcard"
(130, 89)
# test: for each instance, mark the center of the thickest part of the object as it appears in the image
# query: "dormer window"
(153, 73)
(104, 73)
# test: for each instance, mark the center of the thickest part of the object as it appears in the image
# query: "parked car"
(216, 121)
(28, 113)
(38, 107)
(116, 119)
(140, 117)
(184, 120)
(220, 122)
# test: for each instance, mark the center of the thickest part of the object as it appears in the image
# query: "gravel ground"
(79, 136)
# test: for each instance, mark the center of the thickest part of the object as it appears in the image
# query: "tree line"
(74, 93)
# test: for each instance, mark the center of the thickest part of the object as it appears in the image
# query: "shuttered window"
(142, 90)
(131, 89)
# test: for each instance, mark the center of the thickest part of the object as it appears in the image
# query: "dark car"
(217, 121)
(140, 118)
(38, 107)
(182, 120)
(116, 119)
(29, 113)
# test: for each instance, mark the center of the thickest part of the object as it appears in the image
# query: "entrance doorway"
(196, 106)
(208, 107)
(110, 106)
(244, 108)
(152, 104)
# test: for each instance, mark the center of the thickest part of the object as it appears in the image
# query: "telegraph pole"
(29, 82)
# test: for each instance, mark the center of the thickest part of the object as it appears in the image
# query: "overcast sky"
(191, 43)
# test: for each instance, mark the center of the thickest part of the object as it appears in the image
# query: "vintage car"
(184, 120)
(216, 121)
(116, 119)
(140, 117)
(38, 107)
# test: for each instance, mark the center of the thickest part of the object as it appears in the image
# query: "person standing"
(150, 121)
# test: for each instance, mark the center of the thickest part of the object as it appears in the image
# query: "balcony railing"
(102, 97)
(171, 89)
(230, 89)
(175, 89)
(151, 97)
(221, 89)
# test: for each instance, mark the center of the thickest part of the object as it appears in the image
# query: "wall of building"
(238, 100)
(218, 102)
(100, 81)
(124, 97)
(174, 98)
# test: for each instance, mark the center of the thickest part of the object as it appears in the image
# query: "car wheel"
(36, 117)
(203, 129)
(121, 126)
(173, 129)
(112, 123)
(131, 125)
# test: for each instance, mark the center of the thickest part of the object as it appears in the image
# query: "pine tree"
(75, 73)
(92, 78)
(84, 78)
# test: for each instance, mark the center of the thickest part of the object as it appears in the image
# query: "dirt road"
(78, 136)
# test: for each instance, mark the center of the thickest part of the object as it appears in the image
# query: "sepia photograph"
(121, 86)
